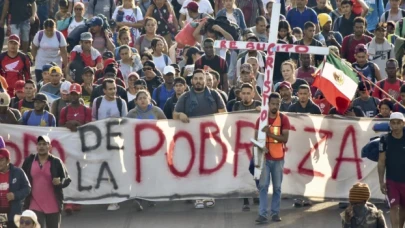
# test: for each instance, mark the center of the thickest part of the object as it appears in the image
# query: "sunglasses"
(147, 68)
(26, 222)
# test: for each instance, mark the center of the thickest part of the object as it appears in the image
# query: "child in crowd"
(63, 13)
(297, 32)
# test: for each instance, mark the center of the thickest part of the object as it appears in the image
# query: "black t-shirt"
(297, 84)
(153, 84)
(217, 63)
(314, 42)
(395, 157)
(19, 10)
(311, 108)
(358, 112)
(345, 26)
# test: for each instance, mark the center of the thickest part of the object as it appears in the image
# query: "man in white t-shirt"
(204, 6)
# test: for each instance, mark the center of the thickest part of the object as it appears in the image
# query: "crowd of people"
(94, 62)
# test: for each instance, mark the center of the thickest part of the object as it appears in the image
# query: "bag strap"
(98, 103)
(25, 121)
(119, 105)
(20, 104)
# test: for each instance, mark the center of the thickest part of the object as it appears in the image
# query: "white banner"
(118, 159)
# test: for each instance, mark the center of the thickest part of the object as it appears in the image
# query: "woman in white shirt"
(78, 18)
(49, 45)
(159, 58)
(128, 14)
(130, 62)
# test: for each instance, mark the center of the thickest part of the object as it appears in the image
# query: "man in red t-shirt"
(352, 40)
(14, 65)
(391, 85)
(75, 114)
(90, 56)
(277, 137)
(12, 193)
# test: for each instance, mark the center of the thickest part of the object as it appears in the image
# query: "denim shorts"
(22, 30)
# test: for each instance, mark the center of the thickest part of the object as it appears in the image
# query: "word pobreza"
(114, 160)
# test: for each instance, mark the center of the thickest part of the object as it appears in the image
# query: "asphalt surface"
(226, 214)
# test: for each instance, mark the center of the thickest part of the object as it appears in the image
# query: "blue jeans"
(43, 13)
(273, 169)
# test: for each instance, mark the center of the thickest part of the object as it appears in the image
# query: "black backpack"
(100, 99)
(73, 38)
(76, 68)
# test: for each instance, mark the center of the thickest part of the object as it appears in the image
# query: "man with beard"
(287, 99)
(39, 116)
(308, 40)
(277, 133)
(247, 93)
(26, 104)
(165, 90)
(331, 37)
(180, 87)
(304, 104)
(391, 163)
(199, 101)
(352, 40)
(306, 70)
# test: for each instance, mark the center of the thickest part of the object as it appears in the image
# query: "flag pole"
(372, 83)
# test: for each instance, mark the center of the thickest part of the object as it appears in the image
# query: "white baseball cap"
(169, 69)
(27, 214)
(397, 116)
(65, 87)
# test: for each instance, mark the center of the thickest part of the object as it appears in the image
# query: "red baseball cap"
(75, 88)
(14, 38)
(4, 153)
(284, 84)
(193, 6)
(19, 86)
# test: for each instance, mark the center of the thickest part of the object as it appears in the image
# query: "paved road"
(226, 214)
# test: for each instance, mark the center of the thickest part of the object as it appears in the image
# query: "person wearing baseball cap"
(8, 115)
(88, 84)
(362, 210)
(39, 116)
(97, 30)
(365, 101)
(246, 76)
(55, 82)
(19, 92)
(48, 206)
(16, 190)
(62, 101)
(164, 90)
(287, 99)
(27, 219)
(16, 65)
(151, 78)
(367, 68)
(45, 76)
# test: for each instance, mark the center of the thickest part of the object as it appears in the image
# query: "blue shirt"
(376, 9)
(298, 19)
(164, 94)
(44, 120)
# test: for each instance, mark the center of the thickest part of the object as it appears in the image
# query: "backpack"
(100, 99)
(73, 38)
(25, 121)
(386, 14)
(41, 35)
(23, 57)
(166, 59)
(77, 66)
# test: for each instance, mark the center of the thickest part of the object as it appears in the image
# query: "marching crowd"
(155, 59)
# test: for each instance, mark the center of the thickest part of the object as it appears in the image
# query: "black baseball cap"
(108, 55)
(88, 70)
(40, 97)
(364, 86)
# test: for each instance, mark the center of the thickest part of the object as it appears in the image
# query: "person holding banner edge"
(277, 132)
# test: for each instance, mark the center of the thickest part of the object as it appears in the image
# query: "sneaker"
(275, 218)
(246, 207)
(199, 204)
(113, 207)
(69, 209)
(261, 220)
(209, 203)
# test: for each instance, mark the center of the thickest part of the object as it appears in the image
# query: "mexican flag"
(337, 81)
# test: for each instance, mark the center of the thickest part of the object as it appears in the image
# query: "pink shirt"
(43, 196)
